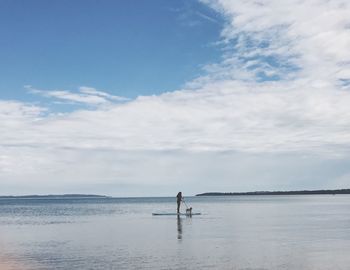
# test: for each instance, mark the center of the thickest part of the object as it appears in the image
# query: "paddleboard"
(175, 214)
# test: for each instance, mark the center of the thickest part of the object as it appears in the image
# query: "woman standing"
(179, 199)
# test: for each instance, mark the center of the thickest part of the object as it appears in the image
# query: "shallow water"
(243, 232)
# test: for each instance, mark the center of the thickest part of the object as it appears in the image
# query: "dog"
(189, 211)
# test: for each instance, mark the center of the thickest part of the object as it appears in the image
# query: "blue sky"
(146, 98)
(129, 48)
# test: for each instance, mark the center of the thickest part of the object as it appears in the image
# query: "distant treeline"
(65, 196)
(298, 192)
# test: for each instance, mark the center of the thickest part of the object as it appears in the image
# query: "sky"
(147, 98)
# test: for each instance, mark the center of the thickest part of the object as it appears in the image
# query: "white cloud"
(310, 35)
(274, 117)
(86, 95)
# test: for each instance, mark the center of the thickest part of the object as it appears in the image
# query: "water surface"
(241, 232)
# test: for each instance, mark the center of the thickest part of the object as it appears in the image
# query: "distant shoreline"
(295, 192)
(62, 196)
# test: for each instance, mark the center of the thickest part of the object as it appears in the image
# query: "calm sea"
(243, 232)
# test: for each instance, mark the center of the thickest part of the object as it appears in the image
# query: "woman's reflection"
(179, 227)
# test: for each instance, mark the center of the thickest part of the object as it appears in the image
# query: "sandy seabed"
(7, 263)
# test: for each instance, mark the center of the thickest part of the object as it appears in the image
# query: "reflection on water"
(256, 232)
(179, 228)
